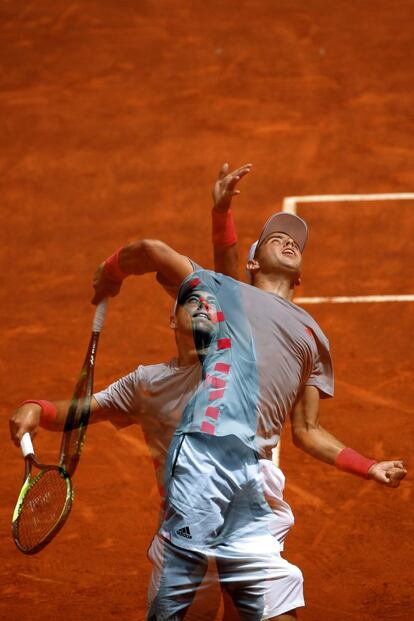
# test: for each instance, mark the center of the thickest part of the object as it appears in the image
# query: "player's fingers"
(223, 170)
(17, 432)
(398, 474)
(13, 432)
(231, 181)
(244, 170)
(394, 477)
(399, 464)
(394, 482)
(235, 176)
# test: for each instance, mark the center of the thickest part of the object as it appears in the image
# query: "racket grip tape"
(26, 445)
(99, 315)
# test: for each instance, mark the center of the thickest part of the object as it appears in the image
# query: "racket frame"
(28, 482)
(77, 418)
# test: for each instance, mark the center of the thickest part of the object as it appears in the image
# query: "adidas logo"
(184, 532)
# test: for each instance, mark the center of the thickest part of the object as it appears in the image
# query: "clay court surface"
(115, 120)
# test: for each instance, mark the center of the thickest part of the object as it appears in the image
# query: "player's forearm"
(141, 257)
(318, 443)
(226, 260)
(151, 255)
(50, 415)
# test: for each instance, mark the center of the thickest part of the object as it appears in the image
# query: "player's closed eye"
(282, 238)
(193, 299)
(208, 301)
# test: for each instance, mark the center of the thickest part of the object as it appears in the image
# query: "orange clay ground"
(115, 119)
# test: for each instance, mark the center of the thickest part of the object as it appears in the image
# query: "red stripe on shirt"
(208, 428)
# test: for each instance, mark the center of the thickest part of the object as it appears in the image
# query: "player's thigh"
(259, 581)
(176, 576)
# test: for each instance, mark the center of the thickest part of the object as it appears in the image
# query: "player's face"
(280, 252)
(199, 312)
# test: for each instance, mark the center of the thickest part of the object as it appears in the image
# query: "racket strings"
(42, 508)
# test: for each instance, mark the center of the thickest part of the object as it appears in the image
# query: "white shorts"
(184, 583)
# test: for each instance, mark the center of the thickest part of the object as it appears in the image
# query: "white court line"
(290, 204)
(346, 299)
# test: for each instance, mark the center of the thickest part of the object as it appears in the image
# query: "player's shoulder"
(305, 318)
(152, 372)
(311, 324)
(200, 279)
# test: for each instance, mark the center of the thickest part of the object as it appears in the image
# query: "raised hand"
(224, 187)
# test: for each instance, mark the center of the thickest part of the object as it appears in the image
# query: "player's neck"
(280, 285)
(187, 354)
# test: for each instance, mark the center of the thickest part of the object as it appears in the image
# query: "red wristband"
(112, 269)
(349, 460)
(48, 414)
(223, 231)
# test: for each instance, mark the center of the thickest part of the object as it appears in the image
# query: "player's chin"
(201, 324)
(292, 264)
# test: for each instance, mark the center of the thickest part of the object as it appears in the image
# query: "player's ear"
(173, 322)
(298, 281)
(252, 266)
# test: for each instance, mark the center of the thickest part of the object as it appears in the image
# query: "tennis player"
(241, 419)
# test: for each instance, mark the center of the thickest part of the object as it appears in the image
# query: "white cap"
(281, 222)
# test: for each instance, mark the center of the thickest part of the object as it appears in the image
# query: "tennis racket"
(79, 410)
(44, 502)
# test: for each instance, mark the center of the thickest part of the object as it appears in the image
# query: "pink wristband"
(349, 460)
(48, 414)
(112, 269)
(223, 231)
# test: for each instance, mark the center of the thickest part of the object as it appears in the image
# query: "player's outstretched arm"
(51, 415)
(141, 257)
(224, 237)
(309, 435)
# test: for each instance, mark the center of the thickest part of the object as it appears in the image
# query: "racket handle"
(99, 315)
(26, 445)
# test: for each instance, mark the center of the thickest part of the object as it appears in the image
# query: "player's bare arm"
(311, 437)
(27, 418)
(142, 257)
(226, 259)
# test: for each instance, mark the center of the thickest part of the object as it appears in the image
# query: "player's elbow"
(303, 437)
(143, 256)
(298, 438)
(151, 248)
